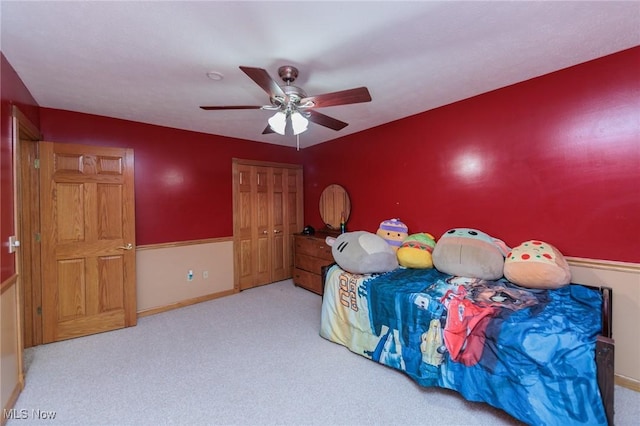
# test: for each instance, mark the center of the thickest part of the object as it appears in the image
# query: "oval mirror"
(334, 203)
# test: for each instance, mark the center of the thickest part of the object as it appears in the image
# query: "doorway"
(75, 220)
(27, 224)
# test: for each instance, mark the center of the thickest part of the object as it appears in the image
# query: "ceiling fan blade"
(325, 120)
(216, 108)
(267, 130)
(343, 97)
(264, 80)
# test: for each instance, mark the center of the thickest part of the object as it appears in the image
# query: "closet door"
(262, 261)
(268, 210)
(279, 239)
(294, 215)
(244, 206)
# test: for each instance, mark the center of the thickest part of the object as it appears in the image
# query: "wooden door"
(265, 220)
(262, 226)
(278, 225)
(29, 236)
(27, 223)
(88, 240)
(294, 216)
(243, 226)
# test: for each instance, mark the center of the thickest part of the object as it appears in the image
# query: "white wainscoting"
(624, 279)
(11, 379)
(161, 273)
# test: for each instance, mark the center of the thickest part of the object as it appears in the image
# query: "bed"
(542, 356)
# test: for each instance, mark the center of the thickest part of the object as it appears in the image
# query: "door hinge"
(36, 163)
(37, 237)
(39, 310)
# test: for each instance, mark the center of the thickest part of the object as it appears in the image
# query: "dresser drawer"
(311, 246)
(310, 263)
(308, 280)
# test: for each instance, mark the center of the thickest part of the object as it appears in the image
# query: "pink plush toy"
(536, 264)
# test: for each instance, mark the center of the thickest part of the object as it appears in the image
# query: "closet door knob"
(276, 231)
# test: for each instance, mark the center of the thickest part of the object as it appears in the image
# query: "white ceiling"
(148, 61)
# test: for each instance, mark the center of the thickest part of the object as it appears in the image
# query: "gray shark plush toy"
(362, 252)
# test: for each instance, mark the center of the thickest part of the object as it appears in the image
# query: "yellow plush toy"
(415, 251)
(393, 232)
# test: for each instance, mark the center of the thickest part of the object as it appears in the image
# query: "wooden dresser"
(311, 253)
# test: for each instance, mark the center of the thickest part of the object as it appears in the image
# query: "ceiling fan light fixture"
(278, 122)
(291, 102)
(299, 123)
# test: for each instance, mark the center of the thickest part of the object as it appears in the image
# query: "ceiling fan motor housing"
(294, 94)
(288, 73)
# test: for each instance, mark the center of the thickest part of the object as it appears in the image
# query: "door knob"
(129, 246)
(276, 231)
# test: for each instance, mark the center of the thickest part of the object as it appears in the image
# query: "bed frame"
(605, 348)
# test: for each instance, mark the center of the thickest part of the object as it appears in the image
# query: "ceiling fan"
(294, 109)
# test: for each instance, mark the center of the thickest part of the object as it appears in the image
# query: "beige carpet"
(254, 358)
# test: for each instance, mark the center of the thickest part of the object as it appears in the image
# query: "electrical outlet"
(190, 275)
(205, 274)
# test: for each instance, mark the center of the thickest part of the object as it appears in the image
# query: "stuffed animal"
(393, 232)
(362, 252)
(415, 251)
(470, 253)
(536, 264)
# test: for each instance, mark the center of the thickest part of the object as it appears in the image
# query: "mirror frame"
(334, 202)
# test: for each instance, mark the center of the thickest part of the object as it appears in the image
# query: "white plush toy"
(362, 252)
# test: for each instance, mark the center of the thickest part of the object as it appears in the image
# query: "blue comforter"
(528, 352)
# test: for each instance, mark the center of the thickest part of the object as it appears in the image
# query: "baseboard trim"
(627, 382)
(183, 303)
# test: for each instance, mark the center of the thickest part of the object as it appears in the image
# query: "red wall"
(555, 158)
(183, 180)
(12, 92)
